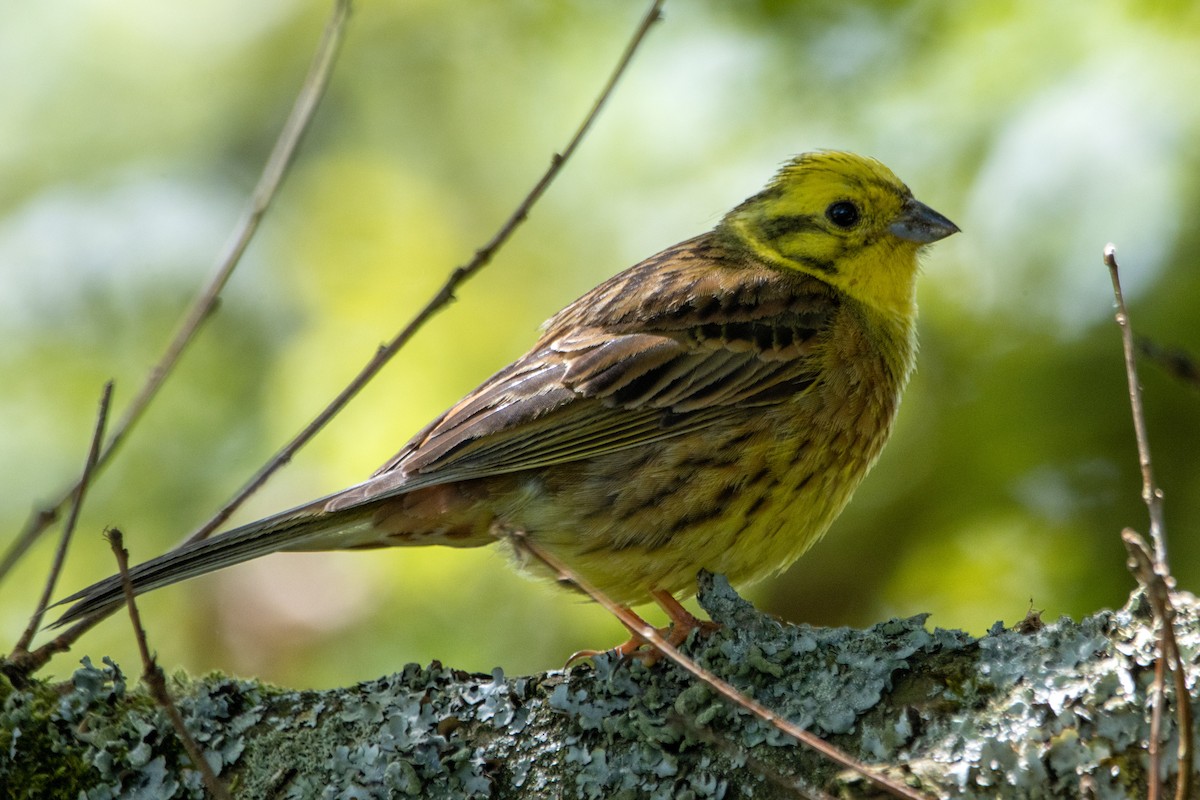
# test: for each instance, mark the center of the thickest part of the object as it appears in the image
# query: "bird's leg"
(683, 622)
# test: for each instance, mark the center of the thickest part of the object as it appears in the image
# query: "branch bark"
(1060, 710)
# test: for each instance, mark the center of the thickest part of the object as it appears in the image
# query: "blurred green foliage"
(132, 132)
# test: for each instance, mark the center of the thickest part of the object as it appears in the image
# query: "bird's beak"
(921, 224)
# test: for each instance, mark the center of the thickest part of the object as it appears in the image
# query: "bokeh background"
(133, 130)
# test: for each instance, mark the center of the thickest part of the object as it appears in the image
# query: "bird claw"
(683, 622)
(627, 651)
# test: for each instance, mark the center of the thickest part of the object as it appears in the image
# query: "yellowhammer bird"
(713, 407)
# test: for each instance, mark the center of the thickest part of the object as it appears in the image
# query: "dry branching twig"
(641, 629)
(1157, 590)
(17, 665)
(1151, 494)
(443, 296)
(155, 680)
(268, 186)
(206, 301)
(272, 176)
(1153, 572)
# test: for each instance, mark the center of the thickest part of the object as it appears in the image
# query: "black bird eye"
(843, 213)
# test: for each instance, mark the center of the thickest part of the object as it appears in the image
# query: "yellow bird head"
(845, 219)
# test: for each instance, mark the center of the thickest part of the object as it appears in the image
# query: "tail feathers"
(298, 529)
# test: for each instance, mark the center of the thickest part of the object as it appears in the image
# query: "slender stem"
(272, 176)
(1151, 494)
(1183, 709)
(157, 683)
(60, 555)
(442, 297)
(35, 660)
(20, 665)
(206, 302)
(1154, 751)
(1158, 594)
(1153, 572)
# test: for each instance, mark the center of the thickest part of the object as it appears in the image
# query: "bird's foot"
(683, 622)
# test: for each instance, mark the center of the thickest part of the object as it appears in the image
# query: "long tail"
(297, 529)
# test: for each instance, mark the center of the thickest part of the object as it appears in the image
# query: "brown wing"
(592, 386)
(597, 393)
(583, 391)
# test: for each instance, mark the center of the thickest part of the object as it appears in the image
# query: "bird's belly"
(745, 500)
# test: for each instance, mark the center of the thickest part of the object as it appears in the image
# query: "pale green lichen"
(1050, 713)
(1066, 709)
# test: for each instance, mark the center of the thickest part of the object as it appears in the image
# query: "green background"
(132, 132)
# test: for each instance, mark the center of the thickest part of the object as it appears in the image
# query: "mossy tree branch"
(1054, 711)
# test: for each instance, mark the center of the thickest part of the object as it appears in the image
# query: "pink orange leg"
(683, 622)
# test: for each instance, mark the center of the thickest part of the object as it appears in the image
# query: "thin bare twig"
(1183, 704)
(1153, 572)
(443, 296)
(64, 541)
(1141, 564)
(63, 642)
(1158, 592)
(157, 683)
(21, 665)
(272, 175)
(205, 303)
(641, 629)
(1151, 494)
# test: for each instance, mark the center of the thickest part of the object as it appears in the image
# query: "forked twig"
(22, 665)
(153, 676)
(1153, 572)
(641, 629)
(60, 555)
(443, 296)
(64, 641)
(1158, 592)
(204, 304)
